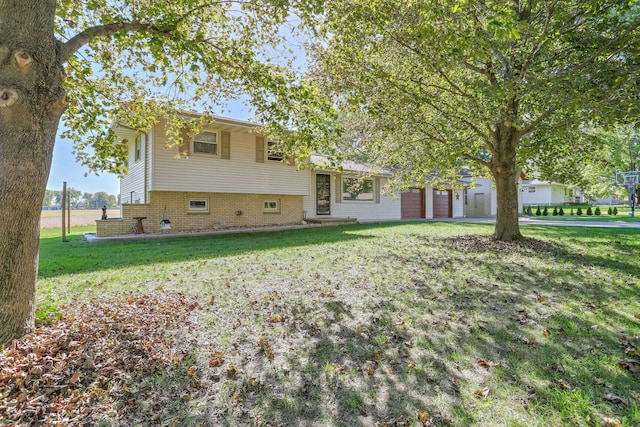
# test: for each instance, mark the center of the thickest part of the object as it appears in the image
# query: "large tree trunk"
(503, 167)
(31, 102)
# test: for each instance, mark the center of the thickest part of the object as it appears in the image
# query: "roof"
(323, 162)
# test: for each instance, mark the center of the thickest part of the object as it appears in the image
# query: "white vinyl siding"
(132, 185)
(388, 207)
(240, 174)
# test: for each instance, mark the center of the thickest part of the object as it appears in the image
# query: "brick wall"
(223, 211)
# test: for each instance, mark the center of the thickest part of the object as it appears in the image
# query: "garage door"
(412, 203)
(442, 203)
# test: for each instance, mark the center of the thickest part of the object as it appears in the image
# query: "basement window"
(271, 206)
(199, 205)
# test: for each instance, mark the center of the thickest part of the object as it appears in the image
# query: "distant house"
(544, 193)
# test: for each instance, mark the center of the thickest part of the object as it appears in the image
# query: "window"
(532, 189)
(206, 143)
(356, 189)
(138, 148)
(271, 206)
(272, 152)
(199, 205)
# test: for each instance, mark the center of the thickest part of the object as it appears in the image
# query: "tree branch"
(535, 123)
(101, 31)
(476, 159)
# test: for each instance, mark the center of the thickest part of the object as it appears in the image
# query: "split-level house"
(229, 176)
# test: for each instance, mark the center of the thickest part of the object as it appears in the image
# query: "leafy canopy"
(442, 83)
(133, 63)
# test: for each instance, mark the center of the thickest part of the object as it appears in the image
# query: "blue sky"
(65, 168)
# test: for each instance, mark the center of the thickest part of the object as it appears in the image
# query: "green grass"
(374, 323)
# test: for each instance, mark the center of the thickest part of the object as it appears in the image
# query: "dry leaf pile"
(76, 369)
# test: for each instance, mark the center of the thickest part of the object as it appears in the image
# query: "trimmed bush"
(538, 211)
(555, 212)
(545, 212)
(597, 211)
(561, 211)
(589, 211)
(571, 211)
(615, 210)
(529, 211)
(579, 211)
(610, 212)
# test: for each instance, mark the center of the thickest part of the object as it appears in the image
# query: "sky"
(65, 168)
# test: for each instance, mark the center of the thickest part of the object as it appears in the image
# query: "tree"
(443, 83)
(597, 153)
(102, 61)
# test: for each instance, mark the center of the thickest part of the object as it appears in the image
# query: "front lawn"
(414, 324)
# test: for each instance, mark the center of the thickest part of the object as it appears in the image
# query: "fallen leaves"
(90, 353)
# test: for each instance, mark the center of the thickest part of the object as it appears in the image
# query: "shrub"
(545, 212)
(555, 212)
(529, 211)
(589, 211)
(538, 212)
(597, 211)
(561, 211)
(579, 211)
(615, 210)
(610, 212)
(571, 212)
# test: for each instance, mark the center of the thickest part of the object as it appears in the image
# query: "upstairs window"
(272, 152)
(206, 143)
(532, 189)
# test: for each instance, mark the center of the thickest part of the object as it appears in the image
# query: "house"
(228, 175)
(545, 193)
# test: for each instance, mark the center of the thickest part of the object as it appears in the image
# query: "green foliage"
(561, 211)
(609, 211)
(597, 211)
(615, 210)
(529, 211)
(545, 211)
(589, 211)
(571, 213)
(172, 56)
(555, 211)
(579, 211)
(538, 211)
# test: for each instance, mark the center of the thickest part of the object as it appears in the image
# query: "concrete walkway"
(535, 221)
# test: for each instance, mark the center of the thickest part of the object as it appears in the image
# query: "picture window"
(358, 190)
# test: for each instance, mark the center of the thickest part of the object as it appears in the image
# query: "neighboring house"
(544, 193)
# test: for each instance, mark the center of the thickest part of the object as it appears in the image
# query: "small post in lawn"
(630, 180)
(64, 207)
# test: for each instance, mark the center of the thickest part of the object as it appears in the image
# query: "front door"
(323, 194)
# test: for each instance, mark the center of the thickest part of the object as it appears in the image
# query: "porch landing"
(332, 221)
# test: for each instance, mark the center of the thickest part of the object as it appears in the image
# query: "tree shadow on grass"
(79, 256)
(450, 345)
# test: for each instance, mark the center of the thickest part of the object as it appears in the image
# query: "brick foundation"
(224, 210)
